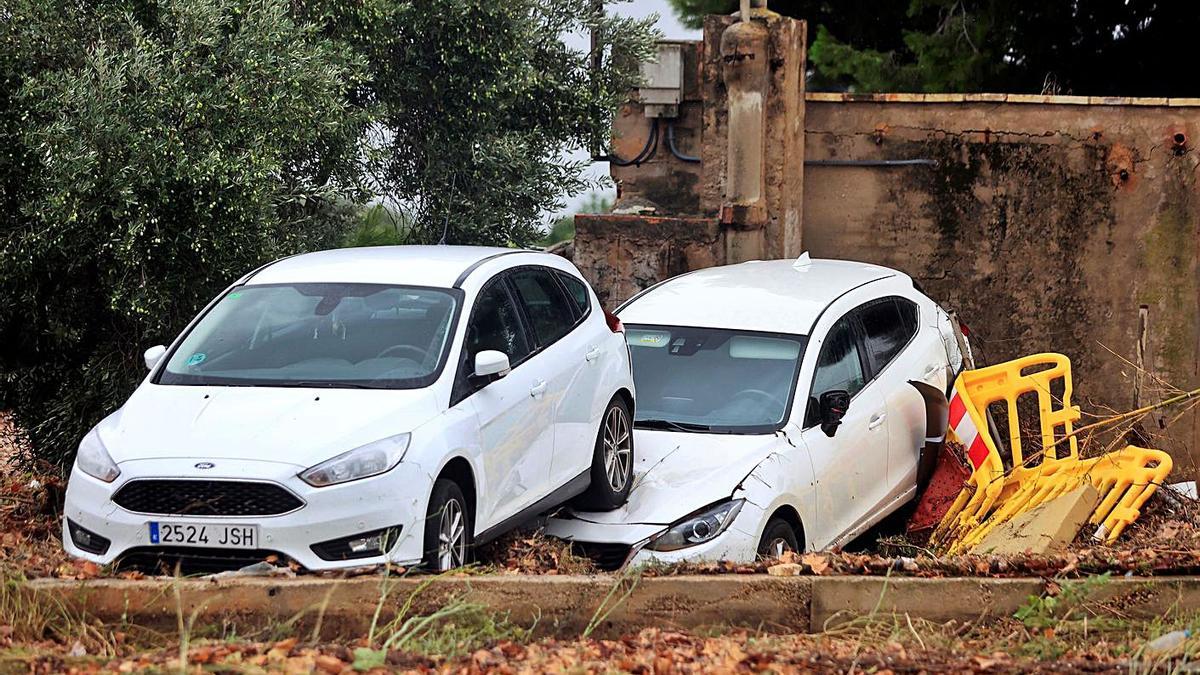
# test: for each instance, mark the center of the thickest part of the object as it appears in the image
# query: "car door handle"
(538, 389)
(877, 421)
(592, 354)
(930, 370)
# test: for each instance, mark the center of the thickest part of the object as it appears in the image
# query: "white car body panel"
(511, 437)
(838, 487)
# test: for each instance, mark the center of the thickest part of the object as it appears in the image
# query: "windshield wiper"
(315, 384)
(672, 425)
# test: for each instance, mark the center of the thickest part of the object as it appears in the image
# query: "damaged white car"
(781, 406)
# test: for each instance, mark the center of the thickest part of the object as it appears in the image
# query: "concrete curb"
(563, 606)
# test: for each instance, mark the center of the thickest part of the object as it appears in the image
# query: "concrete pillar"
(744, 55)
(753, 83)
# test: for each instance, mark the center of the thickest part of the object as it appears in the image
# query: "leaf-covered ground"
(879, 647)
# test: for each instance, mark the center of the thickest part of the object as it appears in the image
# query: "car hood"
(676, 473)
(296, 426)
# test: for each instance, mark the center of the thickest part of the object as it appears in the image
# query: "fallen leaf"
(329, 664)
(817, 562)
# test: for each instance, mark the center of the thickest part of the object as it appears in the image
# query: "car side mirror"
(490, 363)
(832, 407)
(153, 355)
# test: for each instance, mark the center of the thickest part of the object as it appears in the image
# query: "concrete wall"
(1050, 223)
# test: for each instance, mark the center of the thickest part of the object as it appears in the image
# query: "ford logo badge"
(204, 465)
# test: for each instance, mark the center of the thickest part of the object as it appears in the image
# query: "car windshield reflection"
(318, 335)
(713, 380)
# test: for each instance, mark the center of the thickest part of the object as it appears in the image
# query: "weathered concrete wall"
(1064, 226)
(622, 254)
(1049, 222)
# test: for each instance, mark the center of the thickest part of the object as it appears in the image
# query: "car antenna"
(446, 223)
(803, 262)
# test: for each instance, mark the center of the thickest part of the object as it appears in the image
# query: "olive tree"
(152, 152)
(476, 102)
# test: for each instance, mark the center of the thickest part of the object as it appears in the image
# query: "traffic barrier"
(998, 491)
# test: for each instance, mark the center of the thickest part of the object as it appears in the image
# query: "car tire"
(612, 460)
(447, 528)
(778, 536)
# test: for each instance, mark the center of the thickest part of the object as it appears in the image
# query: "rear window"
(578, 292)
(549, 312)
(889, 324)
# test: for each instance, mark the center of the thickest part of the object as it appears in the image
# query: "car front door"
(563, 349)
(515, 426)
(850, 465)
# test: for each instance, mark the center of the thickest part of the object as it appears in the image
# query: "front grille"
(190, 560)
(607, 557)
(206, 498)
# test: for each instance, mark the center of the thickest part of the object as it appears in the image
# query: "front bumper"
(738, 543)
(397, 498)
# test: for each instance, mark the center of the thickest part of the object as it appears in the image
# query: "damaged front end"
(695, 497)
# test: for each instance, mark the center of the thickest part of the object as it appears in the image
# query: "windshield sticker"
(647, 338)
(197, 358)
(235, 296)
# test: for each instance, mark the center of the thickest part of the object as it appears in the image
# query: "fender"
(769, 486)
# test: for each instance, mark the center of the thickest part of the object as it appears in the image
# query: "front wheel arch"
(791, 516)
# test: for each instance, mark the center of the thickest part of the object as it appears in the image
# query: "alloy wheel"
(452, 536)
(618, 448)
(778, 547)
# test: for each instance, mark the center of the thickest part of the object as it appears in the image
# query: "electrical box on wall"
(662, 81)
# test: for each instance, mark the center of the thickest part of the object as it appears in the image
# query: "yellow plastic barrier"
(1124, 478)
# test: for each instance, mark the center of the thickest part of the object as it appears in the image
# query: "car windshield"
(318, 335)
(706, 379)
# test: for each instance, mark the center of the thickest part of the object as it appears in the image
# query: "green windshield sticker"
(234, 296)
(648, 338)
(196, 359)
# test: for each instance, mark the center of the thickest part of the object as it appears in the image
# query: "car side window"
(838, 366)
(578, 292)
(548, 309)
(495, 325)
(888, 325)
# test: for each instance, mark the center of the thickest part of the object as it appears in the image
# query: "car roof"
(436, 266)
(774, 296)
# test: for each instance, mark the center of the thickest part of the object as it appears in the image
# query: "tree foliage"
(153, 151)
(477, 101)
(563, 227)
(1097, 48)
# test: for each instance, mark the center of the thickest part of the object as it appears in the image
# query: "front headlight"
(94, 460)
(371, 459)
(697, 528)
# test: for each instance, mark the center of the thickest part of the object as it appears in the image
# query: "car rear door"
(565, 355)
(515, 426)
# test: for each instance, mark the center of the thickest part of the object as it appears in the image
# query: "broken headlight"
(697, 528)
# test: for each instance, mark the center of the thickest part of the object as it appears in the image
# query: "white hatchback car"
(781, 406)
(359, 406)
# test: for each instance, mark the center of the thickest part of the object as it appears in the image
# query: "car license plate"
(207, 535)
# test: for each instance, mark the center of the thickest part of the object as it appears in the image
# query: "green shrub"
(153, 153)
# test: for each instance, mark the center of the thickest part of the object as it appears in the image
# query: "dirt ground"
(1057, 644)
